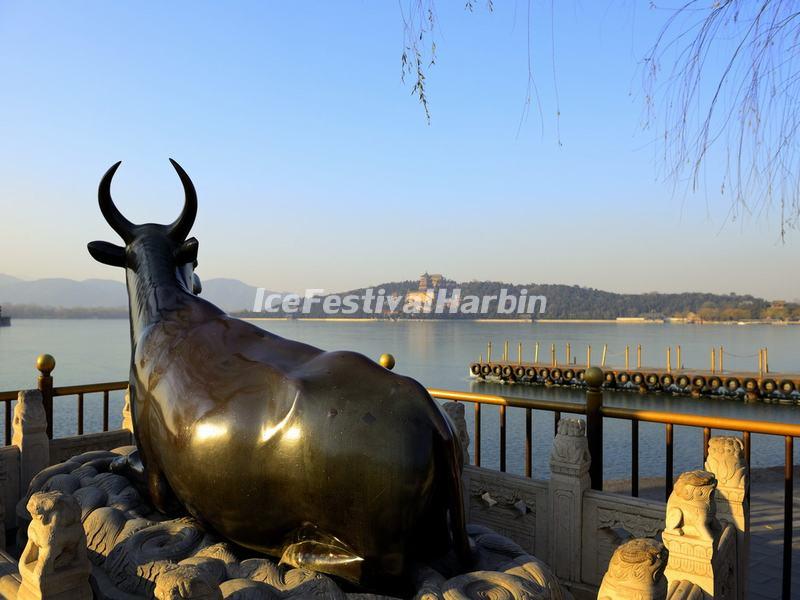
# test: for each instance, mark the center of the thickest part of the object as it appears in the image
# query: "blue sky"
(316, 168)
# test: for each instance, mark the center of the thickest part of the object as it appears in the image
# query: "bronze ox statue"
(324, 459)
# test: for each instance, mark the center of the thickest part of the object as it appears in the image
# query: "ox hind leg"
(440, 537)
(453, 455)
(142, 465)
(450, 459)
(149, 482)
(161, 494)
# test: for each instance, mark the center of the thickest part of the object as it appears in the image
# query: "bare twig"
(730, 100)
(419, 54)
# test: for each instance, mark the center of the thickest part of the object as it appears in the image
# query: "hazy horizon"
(377, 283)
(314, 165)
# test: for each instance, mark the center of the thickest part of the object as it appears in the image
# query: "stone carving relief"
(507, 504)
(634, 523)
(611, 520)
(186, 581)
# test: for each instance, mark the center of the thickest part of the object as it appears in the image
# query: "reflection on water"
(437, 353)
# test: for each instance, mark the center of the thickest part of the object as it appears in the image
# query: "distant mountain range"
(26, 297)
(106, 298)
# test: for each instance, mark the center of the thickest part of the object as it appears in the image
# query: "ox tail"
(452, 455)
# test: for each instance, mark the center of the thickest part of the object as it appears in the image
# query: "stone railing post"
(54, 564)
(701, 550)
(569, 479)
(636, 572)
(727, 462)
(30, 436)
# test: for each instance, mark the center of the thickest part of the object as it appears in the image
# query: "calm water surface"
(437, 354)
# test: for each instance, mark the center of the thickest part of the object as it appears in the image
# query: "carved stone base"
(136, 553)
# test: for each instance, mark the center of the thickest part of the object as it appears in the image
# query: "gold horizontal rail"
(90, 388)
(669, 418)
(516, 402)
(71, 390)
(653, 416)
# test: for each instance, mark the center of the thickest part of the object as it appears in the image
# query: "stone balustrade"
(591, 540)
(582, 533)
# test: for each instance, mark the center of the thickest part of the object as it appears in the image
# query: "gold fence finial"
(45, 363)
(593, 376)
(386, 361)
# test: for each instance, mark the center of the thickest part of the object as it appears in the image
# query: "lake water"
(438, 353)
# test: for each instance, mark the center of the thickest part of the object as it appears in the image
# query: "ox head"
(163, 247)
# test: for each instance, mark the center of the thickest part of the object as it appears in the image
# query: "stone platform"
(136, 552)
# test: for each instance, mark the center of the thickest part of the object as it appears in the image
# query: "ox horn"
(111, 213)
(183, 224)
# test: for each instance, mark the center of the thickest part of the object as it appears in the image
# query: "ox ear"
(108, 254)
(187, 252)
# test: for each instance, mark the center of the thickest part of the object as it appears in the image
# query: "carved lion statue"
(572, 427)
(570, 444)
(636, 571)
(690, 509)
(55, 536)
(726, 460)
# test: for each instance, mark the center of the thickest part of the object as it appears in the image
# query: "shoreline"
(518, 321)
(622, 321)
